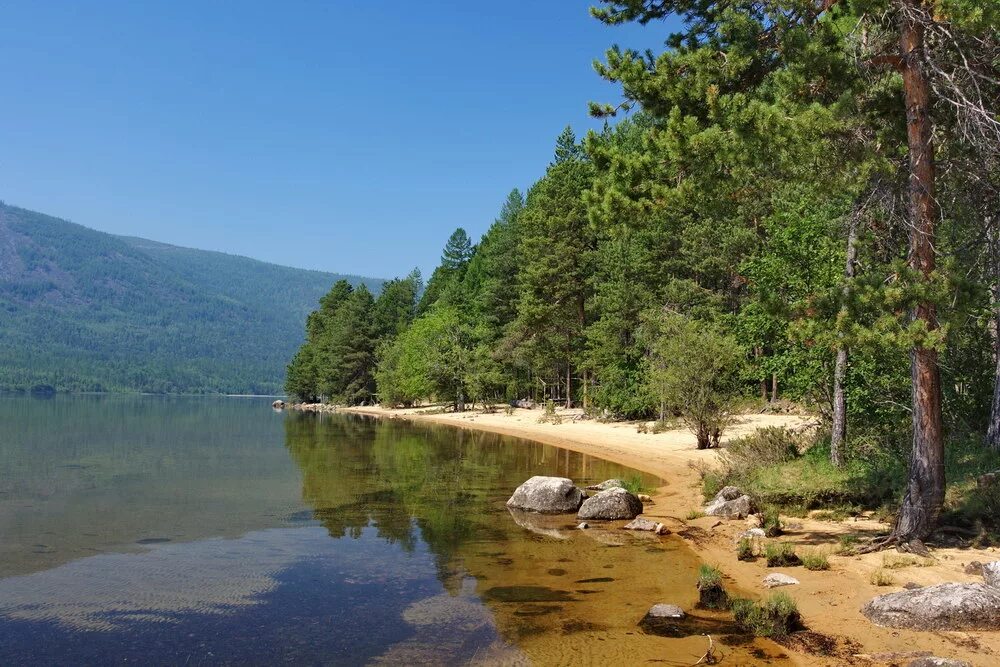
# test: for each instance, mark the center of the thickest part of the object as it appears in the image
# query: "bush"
(771, 523)
(881, 577)
(745, 550)
(711, 594)
(694, 514)
(694, 372)
(549, 416)
(633, 484)
(780, 554)
(775, 617)
(815, 561)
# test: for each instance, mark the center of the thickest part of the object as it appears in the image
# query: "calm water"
(212, 530)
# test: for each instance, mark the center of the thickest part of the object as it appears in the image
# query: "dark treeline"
(799, 204)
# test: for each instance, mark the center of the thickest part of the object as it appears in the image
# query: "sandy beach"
(830, 601)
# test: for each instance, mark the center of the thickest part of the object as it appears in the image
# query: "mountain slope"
(88, 311)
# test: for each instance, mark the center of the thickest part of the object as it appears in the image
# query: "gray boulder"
(607, 484)
(730, 503)
(991, 573)
(549, 526)
(934, 661)
(278, 405)
(609, 505)
(547, 495)
(948, 606)
(645, 524)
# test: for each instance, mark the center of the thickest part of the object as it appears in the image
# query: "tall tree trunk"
(569, 385)
(839, 434)
(774, 387)
(993, 429)
(926, 484)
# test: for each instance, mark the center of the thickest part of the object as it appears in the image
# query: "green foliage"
(694, 372)
(780, 554)
(771, 522)
(775, 617)
(815, 560)
(711, 594)
(745, 550)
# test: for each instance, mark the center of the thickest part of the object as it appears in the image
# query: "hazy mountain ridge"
(86, 310)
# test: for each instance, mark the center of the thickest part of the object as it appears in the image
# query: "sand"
(830, 601)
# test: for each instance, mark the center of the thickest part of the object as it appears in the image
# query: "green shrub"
(694, 514)
(633, 484)
(780, 554)
(745, 550)
(711, 594)
(771, 522)
(881, 577)
(549, 415)
(775, 617)
(815, 560)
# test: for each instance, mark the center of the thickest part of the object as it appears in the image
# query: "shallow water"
(215, 531)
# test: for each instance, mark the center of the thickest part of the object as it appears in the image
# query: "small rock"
(278, 405)
(752, 534)
(607, 484)
(754, 521)
(665, 611)
(643, 498)
(729, 493)
(975, 567)
(614, 503)
(934, 661)
(583, 525)
(991, 573)
(911, 586)
(776, 579)
(641, 524)
(661, 529)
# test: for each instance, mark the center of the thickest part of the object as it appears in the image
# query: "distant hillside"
(82, 310)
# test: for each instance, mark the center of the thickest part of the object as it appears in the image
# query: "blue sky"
(343, 136)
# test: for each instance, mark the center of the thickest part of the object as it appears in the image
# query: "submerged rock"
(547, 495)
(615, 503)
(607, 484)
(730, 503)
(665, 619)
(948, 606)
(776, 579)
(549, 526)
(646, 524)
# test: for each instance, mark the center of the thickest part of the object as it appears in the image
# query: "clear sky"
(344, 136)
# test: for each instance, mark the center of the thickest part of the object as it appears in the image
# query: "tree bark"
(774, 387)
(993, 429)
(926, 484)
(839, 434)
(569, 386)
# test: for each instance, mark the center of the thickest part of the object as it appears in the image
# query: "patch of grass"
(815, 560)
(745, 550)
(633, 484)
(781, 554)
(891, 561)
(775, 617)
(710, 592)
(771, 522)
(711, 483)
(847, 542)
(881, 577)
(694, 514)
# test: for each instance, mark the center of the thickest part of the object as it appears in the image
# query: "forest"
(792, 202)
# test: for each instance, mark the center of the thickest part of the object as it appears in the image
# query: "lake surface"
(217, 531)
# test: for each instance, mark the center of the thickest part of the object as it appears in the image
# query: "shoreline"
(830, 601)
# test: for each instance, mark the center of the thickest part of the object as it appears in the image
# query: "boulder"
(948, 606)
(776, 579)
(934, 661)
(607, 484)
(729, 507)
(646, 524)
(278, 405)
(991, 573)
(616, 503)
(547, 495)
(583, 525)
(549, 526)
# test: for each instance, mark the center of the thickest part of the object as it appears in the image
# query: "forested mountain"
(81, 310)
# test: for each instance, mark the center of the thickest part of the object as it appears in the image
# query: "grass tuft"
(815, 560)
(882, 577)
(781, 554)
(775, 617)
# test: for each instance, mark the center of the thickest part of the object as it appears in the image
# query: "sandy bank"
(829, 601)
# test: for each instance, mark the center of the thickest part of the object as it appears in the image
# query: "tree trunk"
(993, 429)
(774, 387)
(839, 434)
(925, 486)
(569, 386)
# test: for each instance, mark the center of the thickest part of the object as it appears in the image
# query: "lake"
(217, 531)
